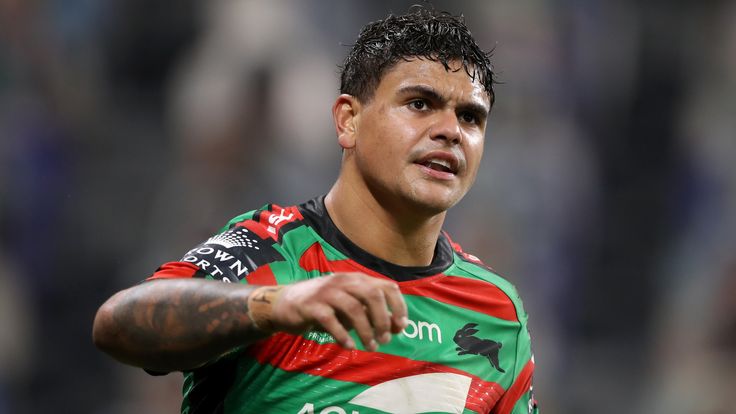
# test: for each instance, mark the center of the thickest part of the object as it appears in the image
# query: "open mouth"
(439, 165)
(440, 161)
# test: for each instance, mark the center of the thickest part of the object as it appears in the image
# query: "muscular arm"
(174, 325)
(169, 325)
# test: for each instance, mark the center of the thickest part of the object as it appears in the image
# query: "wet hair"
(421, 33)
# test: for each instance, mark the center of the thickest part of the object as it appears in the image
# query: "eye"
(469, 117)
(418, 104)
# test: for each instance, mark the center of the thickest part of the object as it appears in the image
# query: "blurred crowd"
(132, 130)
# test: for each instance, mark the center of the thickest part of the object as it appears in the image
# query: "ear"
(345, 114)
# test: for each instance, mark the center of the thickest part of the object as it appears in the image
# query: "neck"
(398, 236)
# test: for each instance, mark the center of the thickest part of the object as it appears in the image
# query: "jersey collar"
(316, 215)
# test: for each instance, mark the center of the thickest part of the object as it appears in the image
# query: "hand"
(340, 302)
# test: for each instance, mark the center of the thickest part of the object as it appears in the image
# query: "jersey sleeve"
(236, 254)
(519, 397)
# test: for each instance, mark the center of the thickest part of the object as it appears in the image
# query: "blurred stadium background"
(130, 130)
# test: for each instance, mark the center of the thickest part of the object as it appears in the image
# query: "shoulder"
(269, 221)
(245, 250)
(470, 267)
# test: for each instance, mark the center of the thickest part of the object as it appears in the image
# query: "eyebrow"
(432, 94)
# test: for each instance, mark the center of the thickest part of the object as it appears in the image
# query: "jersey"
(466, 348)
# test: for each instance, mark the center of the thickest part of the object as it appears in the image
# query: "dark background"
(131, 130)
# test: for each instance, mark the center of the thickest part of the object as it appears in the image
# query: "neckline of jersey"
(317, 216)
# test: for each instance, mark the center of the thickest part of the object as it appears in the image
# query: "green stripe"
(289, 392)
(419, 341)
(285, 273)
(297, 240)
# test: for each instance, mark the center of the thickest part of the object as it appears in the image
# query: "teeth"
(438, 164)
(443, 163)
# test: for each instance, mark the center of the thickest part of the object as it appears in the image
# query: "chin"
(434, 203)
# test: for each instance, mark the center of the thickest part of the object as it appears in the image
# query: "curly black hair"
(421, 33)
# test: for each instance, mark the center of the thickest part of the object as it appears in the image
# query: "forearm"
(173, 325)
(170, 325)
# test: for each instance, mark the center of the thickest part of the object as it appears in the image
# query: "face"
(417, 144)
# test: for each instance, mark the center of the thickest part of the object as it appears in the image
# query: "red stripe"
(296, 354)
(278, 217)
(522, 384)
(175, 270)
(270, 222)
(475, 295)
(261, 276)
(314, 259)
(256, 228)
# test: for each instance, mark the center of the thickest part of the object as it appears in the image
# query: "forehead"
(453, 82)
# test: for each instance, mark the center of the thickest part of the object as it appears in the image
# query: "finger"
(397, 304)
(377, 310)
(352, 310)
(327, 320)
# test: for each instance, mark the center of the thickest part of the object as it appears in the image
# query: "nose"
(446, 126)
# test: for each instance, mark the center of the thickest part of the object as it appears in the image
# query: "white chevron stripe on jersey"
(436, 392)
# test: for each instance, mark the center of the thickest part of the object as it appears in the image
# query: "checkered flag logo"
(235, 237)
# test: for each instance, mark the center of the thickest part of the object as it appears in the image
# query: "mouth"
(441, 162)
(439, 165)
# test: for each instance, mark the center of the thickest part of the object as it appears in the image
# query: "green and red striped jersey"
(466, 348)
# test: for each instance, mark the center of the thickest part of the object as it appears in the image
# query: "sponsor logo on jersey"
(235, 237)
(278, 217)
(319, 337)
(422, 330)
(308, 408)
(468, 344)
(216, 258)
(270, 222)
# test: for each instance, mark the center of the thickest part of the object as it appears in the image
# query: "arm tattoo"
(173, 321)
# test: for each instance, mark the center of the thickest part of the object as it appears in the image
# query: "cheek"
(391, 141)
(473, 155)
(475, 152)
(376, 152)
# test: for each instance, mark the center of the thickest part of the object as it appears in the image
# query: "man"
(355, 302)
